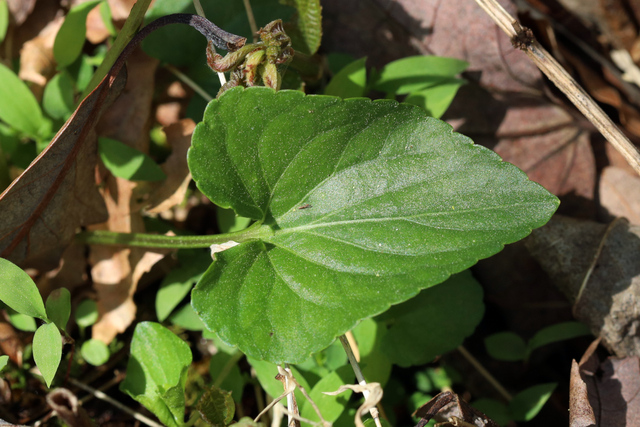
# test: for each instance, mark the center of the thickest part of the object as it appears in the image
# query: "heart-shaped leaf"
(358, 204)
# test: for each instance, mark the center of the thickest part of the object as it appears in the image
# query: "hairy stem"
(102, 237)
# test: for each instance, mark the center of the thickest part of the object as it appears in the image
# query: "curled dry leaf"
(613, 389)
(602, 282)
(620, 193)
(66, 406)
(373, 396)
(452, 411)
(580, 411)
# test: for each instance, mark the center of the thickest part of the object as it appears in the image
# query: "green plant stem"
(359, 377)
(131, 26)
(101, 237)
(233, 361)
(486, 374)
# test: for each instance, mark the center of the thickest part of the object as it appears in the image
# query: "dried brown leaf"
(66, 406)
(57, 193)
(580, 411)
(20, 9)
(10, 343)
(613, 389)
(37, 64)
(620, 193)
(603, 282)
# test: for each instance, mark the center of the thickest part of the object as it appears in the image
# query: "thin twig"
(186, 80)
(251, 19)
(596, 256)
(100, 395)
(558, 75)
(359, 377)
(486, 374)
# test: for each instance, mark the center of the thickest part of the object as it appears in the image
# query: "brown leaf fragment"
(598, 268)
(20, 9)
(116, 271)
(580, 411)
(620, 194)
(57, 193)
(450, 410)
(66, 406)
(37, 64)
(613, 389)
(10, 343)
(172, 190)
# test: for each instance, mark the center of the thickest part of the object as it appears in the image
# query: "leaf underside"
(363, 204)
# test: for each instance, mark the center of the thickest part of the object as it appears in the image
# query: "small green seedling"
(511, 347)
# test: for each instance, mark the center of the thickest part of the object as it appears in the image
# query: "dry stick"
(251, 18)
(596, 256)
(486, 374)
(186, 80)
(100, 395)
(524, 40)
(356, 369)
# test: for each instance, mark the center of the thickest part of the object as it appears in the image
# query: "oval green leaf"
(559, 332)
(86, 313)
(526, 404)
(4, 359)
(331, 407)
(47, 351)
(4, 19)
(350, 82)
(95, 352)
(57, 99)
(59, 307)
(362, 205)
(216, 406)
(427, 326)
(413, 73)
(506, 346)
(18, 107)
(19, 291)
(71, 36)
(23, 322)
(127, 162)
(157, 372)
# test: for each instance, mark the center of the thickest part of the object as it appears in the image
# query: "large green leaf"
(157, 371)
(19, 291)
(359, 205)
